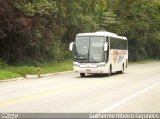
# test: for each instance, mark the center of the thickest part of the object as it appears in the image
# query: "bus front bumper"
(97, 70)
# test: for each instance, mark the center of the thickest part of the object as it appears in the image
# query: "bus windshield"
(90, 49)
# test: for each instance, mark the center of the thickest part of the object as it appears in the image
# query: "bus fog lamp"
(100, 65)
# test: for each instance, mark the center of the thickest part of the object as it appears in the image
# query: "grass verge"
(19, 71)
(9, 72)
(5, 74)
(144, 61)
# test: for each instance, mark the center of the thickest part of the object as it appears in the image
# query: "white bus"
(99, 53)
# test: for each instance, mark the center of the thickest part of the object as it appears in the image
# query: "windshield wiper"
(81, 58)
(91, 59)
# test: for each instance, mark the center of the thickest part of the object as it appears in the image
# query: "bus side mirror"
(71, 46)
(105, 46)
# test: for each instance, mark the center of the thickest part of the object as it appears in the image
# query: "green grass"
(9, 72)
(144, 61)
(19, 71)
(58, 67)
(4, 74)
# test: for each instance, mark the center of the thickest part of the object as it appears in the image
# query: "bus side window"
(112, 43)
(123, 44)
(107, 53)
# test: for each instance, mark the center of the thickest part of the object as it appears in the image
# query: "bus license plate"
(88, 70)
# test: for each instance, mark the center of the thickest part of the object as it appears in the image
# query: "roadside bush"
(2, 63)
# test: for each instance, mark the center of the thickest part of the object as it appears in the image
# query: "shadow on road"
(99, 75)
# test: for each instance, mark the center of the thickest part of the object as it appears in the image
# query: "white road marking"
(128, 98)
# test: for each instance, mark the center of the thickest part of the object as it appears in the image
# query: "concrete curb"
(31, 76)
(45, 75)
(14, 79)
(34, 76)
(50, 74)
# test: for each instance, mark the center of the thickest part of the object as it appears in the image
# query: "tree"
(102, 17)
(43, 29)
(137, 23)
(12, 27)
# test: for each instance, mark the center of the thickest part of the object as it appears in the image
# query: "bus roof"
(102, 33)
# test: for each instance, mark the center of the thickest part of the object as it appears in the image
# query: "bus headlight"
(100, 65)
(76, 65)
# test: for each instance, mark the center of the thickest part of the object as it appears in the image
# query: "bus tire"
(122, 71)
(82, 74)
(126, 63)
(110, 71)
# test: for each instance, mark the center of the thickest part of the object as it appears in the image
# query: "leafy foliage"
(36, 7)
(139, 21)
(43, 29)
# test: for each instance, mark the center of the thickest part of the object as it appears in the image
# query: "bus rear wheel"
(82, 74)
(122, 71)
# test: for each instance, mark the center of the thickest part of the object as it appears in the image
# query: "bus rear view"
(92, 53)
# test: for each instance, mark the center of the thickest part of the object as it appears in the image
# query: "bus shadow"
(100, 75)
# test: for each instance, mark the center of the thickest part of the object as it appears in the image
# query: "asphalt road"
(137, 90)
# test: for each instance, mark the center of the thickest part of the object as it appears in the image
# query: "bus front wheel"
(82, 74)
(110, 70)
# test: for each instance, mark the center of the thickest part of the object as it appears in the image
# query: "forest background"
(37, 31)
